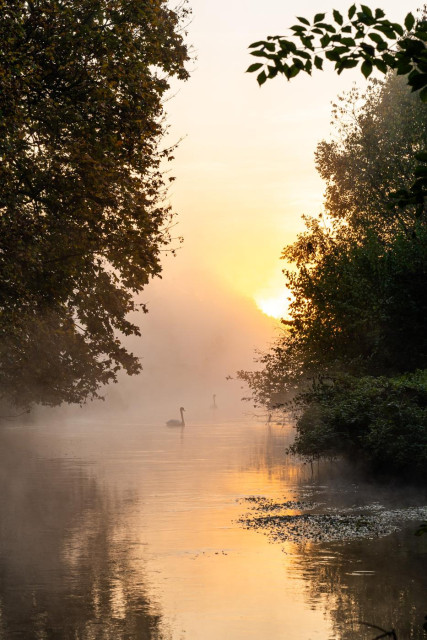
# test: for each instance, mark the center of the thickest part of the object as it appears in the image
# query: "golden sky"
(244, 176)
(245, 170)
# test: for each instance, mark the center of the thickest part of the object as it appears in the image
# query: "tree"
(377, 134)
(358, 287)
(360, 270)
(82, 221)
(366, 38)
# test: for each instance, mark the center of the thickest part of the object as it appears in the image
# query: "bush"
(382, 421)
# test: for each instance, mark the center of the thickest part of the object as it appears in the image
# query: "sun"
(274, 306)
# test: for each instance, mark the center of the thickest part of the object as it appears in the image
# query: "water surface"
(130, 531)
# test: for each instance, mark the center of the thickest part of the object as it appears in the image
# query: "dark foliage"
(81, 215)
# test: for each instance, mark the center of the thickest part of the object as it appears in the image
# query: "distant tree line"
(82, 218)
(353, 356)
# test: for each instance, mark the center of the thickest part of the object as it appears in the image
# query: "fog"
(195, 337)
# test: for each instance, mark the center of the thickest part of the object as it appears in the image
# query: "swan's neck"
(182, 418)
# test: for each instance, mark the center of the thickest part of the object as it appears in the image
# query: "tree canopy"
(356, 332)
(82, 221)
(364, 37)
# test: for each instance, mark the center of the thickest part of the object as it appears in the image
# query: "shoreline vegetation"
(351, 363)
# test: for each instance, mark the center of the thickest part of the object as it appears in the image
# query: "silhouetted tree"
(81, 215)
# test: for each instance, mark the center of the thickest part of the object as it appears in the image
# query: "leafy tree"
(360, 270)
(358, 288)
(377, 134)
(382, 421)
(364, 37)
(82, 221)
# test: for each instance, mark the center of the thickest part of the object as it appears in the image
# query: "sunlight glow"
(276, 307)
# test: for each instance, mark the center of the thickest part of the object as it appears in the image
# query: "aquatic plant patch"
(310, 524)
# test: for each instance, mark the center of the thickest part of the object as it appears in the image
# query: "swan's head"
(181, 409)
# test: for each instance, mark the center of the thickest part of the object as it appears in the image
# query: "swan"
(177, 423)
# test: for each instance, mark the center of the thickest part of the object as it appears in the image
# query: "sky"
(244, 175)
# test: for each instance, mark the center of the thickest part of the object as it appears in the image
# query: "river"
(132, 531)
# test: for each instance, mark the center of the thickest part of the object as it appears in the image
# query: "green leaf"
(366, 68)
(409, 22)
(298, 63)
(293, 71)
(380, 65)
(298, 29)
(379, 13)
(307, 42)
(347, 63)
(403, 68)
(386, 30)
(367, 48)
(318, 62)
(327, 27)
(398, 28)
(319, 17)
(376, 38)
(349, 42)
(303, 20)
(366, 10)
(332, 55)
(417, 80)
(338, 17)
(261, 78)
(256, 44)
(254, 67)
(325, 40)
(351, 11)
(389, 60)
(303, 54)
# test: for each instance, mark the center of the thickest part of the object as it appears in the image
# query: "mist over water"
(195, 337)
(114, 525)
(116, 529)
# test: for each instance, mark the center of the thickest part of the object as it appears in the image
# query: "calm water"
(129, 531)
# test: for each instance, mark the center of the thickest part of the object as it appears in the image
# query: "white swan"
(177, 423)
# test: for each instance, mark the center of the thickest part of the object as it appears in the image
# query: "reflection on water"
(64, 565)
(131, 532)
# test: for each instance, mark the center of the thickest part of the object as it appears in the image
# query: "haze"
(244, 176)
